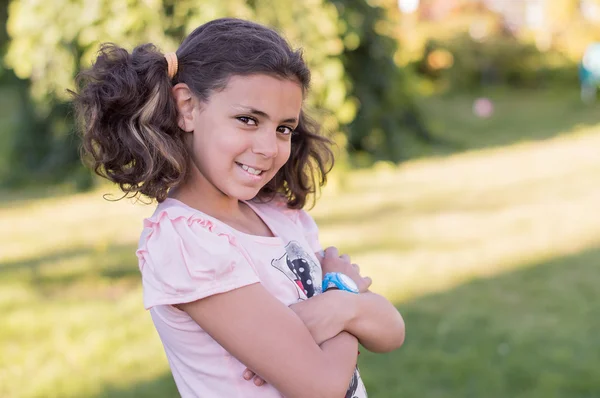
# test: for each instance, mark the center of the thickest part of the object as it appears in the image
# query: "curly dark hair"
(129, 116)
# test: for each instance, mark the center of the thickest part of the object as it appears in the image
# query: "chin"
(244, 194)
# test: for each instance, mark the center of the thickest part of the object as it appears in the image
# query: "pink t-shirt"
(185, 255)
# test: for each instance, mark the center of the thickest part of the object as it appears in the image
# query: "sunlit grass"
(468, 215)
(531, 333)
(476, 249)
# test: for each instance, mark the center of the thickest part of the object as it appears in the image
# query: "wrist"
(356, 307)
(339, 280)
(346, 305)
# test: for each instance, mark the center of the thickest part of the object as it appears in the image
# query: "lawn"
(491, 254)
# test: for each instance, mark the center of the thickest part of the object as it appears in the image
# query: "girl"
(230, 263)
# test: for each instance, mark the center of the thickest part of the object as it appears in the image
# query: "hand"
(333, 262)
(326, 315)
(248, 375)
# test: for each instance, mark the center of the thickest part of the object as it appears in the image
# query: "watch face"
(348, 282)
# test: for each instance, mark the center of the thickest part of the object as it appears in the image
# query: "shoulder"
(184, 255)
(173, 222)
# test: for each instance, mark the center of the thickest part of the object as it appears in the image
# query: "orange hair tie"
(172, 64)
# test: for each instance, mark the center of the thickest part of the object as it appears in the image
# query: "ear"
(186, 101)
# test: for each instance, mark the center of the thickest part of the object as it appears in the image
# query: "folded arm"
(378, 325)
(370, 317)
(374, 321)
(270, 339)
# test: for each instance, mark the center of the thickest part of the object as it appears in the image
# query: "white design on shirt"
(300, 269)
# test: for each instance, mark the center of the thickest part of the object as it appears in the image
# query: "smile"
(250, 170)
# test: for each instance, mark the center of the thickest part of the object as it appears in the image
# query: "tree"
(51, 41)
(387, 113)
(73, 30)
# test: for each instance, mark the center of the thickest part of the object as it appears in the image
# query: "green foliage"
(73, 31)
(318, 34)
(386, 110)
(497, 60)
(477, 47)
(51, 41)
(50, 57)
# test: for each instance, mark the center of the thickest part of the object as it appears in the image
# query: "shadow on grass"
(163, 387)
(20, 197)
(33, 264)
(62, 269)
(530, 333)
(519, 115)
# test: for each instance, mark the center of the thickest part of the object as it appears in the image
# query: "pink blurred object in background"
(483, 107)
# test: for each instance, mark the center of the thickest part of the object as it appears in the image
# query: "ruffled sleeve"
(184, 257)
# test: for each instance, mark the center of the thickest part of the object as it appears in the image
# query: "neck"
(213, 203)
(199, 193)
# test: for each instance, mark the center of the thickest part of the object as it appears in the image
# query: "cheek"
(284, 152)
(220, 145)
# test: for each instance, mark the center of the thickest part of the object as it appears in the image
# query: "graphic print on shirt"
(357, 388)
(299, 267)
(301, 270)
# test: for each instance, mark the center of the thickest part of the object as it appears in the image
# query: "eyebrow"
(260, 113)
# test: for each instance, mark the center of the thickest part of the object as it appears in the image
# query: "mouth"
(250, 170)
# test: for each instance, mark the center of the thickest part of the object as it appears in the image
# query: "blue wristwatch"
(339, 281)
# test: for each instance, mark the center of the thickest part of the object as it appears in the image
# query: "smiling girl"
(232, 272)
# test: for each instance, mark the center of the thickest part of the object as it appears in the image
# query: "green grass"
(519, 116)
(492, 255)
(530, 333)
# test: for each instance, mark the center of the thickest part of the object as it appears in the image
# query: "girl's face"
(241, 136)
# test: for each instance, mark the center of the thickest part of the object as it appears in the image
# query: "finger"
(248, 374)
(331, 252)
(364, 286)
(320, 254)
(356, 267)
(346, 258)
(258, 381)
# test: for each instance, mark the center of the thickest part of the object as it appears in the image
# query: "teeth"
(251, 170)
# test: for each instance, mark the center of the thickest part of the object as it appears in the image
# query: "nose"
(265, 143)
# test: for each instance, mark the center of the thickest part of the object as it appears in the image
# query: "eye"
(247, 120)
(285, 130)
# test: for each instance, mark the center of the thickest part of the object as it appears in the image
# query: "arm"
(271, 340)
(378, 325)
(370, 317)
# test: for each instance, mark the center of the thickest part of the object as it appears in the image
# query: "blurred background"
(468, 137)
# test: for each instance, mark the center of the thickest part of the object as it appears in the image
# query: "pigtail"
(128, 121)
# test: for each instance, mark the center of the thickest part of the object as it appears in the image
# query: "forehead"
(268, 93)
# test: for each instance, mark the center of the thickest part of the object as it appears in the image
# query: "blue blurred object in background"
(589, 73)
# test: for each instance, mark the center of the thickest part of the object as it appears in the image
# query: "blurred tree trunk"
(387, 114)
